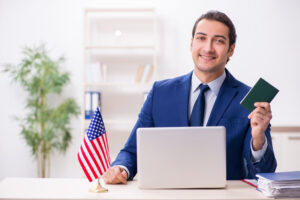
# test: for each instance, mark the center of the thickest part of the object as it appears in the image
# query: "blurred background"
(117, 49)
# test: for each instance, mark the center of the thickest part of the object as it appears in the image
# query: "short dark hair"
(220, 17)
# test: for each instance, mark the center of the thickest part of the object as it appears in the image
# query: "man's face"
(210, 47)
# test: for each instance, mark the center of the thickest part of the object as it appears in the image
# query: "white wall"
(267, 45)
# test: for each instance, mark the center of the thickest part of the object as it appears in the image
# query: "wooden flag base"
(99, 188)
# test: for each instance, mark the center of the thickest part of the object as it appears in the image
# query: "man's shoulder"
(242, 87)
(172, 82)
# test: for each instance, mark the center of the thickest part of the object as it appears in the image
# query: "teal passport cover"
(262, 91)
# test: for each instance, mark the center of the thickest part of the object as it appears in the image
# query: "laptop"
(181, 157)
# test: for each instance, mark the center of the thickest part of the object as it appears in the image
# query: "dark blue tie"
(197, 115)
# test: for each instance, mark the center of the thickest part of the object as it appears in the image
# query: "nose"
(208, 46)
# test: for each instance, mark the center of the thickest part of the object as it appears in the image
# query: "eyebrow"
(201, 33)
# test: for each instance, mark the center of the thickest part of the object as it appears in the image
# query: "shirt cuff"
(257, 155)
(126, 170)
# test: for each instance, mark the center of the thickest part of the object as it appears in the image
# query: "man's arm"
(259, 133)
(127, 156)
(260, 118)
(257, 155)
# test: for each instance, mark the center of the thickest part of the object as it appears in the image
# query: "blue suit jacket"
(167, 106)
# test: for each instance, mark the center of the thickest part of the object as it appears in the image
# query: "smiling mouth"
(207, 57)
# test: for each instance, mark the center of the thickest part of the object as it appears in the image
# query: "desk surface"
(35, 188)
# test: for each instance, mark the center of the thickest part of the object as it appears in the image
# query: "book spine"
(87, 109)
(149, 75)
(146, 72)
(92, 101)
(139, 73)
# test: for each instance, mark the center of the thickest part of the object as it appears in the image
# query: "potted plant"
(45, 127)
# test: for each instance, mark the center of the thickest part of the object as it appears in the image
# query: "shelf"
(97, 10)
(118, 47)
(113, 121)
(120, 28)
(124, 56)
(132, 14)
(118, 65)
(116, 125)
(118, 84)
(120, 76)
(119, 87)
(112, 52)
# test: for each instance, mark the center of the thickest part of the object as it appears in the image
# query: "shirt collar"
(214, 85)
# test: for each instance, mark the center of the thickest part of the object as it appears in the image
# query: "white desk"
(34, 188)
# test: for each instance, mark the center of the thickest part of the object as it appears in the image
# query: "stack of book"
(280, 184)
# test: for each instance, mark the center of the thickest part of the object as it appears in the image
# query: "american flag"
(93, 155)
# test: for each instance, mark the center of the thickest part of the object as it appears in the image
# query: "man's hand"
(115, 175)
(260, 118)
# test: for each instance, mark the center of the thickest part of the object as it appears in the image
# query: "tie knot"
(203, 88)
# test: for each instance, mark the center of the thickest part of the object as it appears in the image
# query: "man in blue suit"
(172, 103)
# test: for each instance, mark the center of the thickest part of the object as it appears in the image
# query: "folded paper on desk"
(280, 184)
(262, 91)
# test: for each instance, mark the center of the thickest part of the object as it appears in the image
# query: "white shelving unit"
(120, 63)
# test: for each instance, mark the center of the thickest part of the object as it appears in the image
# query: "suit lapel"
(226, 94)
(183, 95)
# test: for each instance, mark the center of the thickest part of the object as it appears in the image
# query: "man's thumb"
(124, 174)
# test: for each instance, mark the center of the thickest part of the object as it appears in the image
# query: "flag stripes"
(84, 168)
(93, 161)
(107, 153)
(102, 152)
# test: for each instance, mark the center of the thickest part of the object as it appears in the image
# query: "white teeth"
(207, 57)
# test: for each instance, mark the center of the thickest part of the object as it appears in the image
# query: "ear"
(191, 43)
(231, 50)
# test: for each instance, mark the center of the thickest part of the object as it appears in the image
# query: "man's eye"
(220, 41)
(201, 38)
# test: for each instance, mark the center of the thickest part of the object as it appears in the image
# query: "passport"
(262, 91)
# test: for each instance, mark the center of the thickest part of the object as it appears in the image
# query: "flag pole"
(99, 188)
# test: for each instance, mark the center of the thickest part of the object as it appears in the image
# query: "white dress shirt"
(210, 95)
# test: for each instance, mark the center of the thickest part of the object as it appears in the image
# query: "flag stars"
(96, 128)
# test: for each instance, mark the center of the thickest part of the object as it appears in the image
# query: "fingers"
(121, 178)
(261, 115)
(258, 111)
(262, 110)
(124, 176)
(115, 175)
(264, 105)
(259, 119)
